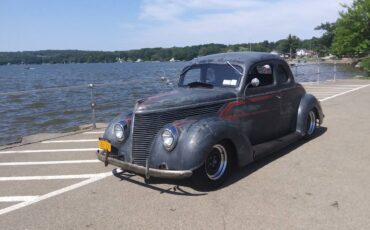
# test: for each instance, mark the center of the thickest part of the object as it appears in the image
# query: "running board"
(270, 147)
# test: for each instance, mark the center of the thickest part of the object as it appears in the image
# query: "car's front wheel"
(311, 124)
(217, 166)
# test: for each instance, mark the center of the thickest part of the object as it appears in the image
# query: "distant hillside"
(148, 54)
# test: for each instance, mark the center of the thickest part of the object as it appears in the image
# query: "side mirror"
(255, 82)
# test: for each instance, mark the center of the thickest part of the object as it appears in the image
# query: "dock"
(54, 181)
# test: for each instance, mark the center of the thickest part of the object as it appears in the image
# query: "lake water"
(56, 98)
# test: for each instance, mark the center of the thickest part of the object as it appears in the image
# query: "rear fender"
(308, 102)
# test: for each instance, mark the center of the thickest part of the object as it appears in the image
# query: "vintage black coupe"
(228, 110)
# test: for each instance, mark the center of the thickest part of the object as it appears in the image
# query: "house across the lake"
(305, 53)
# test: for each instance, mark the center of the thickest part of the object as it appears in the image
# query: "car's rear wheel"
(311, 124)
(217, 166)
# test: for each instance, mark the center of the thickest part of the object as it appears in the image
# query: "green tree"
(352, 31)
(288, 45)
(323, 44)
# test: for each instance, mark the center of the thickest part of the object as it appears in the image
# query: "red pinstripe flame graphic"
(231, 105)
(246, 114)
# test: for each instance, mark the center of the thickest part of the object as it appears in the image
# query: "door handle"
(278, 97)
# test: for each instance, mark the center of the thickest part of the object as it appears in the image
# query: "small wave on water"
(57, 98)
(36, 105)
(14, 98)
(25, 118)
(52, 122)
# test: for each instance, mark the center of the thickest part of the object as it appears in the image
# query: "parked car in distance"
(228, 110)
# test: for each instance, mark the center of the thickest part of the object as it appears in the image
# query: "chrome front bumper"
(145, 171)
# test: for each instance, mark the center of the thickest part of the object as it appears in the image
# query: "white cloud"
(161, 10)
(173, 9)
(178, 23)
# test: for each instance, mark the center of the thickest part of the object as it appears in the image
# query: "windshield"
(212, 75)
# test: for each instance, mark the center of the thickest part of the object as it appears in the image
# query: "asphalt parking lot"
(321, 184)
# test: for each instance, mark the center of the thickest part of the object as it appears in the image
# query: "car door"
(263, 104)
(290, 99)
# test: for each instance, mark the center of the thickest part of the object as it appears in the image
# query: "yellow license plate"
(105, 145)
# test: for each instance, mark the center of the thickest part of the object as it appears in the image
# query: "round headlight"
(169, 138)
(120, 130)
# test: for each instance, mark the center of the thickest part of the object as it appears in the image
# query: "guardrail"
(94, 102)
(318, 72)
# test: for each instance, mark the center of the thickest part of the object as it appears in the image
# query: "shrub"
(365, 63)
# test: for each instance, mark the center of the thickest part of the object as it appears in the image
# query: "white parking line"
(48, 162)
(48, 150)
(340, 94)
(330, 92)
(323, 91)
(94, 132)
(308, 82)
(349, 85)
(97, 177)
(17, 198)
(330, 89)
(70, 141)
(54, 177)
(333, 86)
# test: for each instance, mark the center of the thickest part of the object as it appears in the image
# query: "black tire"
(311, 124)
(216, 168)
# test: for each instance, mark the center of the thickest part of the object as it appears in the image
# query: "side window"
(281, 74)
(263, 73)
(192, 75)
(210, 76)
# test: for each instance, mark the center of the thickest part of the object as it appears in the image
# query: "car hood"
(184, 97)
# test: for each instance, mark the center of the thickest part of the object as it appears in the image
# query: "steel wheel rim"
(216, 162)
(311, 123)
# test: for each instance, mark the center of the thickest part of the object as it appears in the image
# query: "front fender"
(196, 139)
(122, 147)
(308, 102)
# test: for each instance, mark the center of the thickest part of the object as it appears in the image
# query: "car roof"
(244, 58)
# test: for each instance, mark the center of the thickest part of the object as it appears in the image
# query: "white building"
(304, 53)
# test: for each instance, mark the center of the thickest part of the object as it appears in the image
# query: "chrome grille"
(146, 126)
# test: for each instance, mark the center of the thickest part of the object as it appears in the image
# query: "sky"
(133, 24)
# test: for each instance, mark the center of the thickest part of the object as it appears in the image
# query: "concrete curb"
(50, 136)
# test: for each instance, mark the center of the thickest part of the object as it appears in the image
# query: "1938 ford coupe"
(228, 110)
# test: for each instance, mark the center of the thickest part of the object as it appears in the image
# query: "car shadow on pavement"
(245, 171)
(182, 187)
(174, 186)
